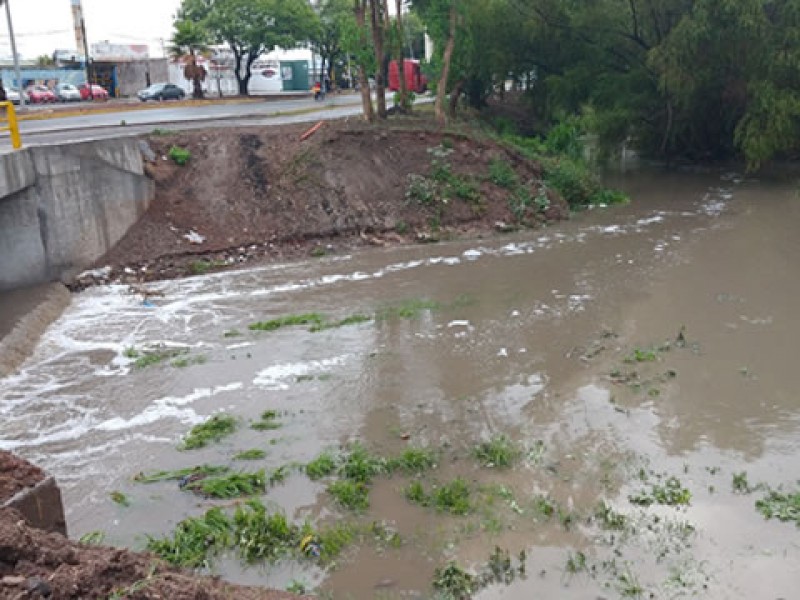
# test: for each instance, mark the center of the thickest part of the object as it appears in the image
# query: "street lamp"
(14, 53)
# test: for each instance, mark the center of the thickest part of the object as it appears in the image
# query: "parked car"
(98, 93)
(13, 95)
(161, 91)
(66, 92)
(39, 94)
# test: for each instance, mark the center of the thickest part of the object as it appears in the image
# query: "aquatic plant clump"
(213, 430)
(203, 470)
(499, 452)
(781, 506)
(233, 485)
(194, 540)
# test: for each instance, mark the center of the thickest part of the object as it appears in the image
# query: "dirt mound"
(36, 564)
(262, 191)
(16, 475)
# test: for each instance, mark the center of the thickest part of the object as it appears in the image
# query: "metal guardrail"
(8, 122)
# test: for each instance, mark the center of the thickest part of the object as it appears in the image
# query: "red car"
(98, 93)
(39, 94)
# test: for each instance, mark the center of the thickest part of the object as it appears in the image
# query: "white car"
(66, 92)
(12, 95)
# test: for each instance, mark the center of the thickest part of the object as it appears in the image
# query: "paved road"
(108, 125)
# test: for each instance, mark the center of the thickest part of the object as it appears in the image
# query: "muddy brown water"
(531, 342)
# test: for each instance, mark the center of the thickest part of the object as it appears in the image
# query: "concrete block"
(16, 172)
(41, 506)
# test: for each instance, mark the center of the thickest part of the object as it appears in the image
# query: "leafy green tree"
(189, 40)
(252, 27)
(335, 16)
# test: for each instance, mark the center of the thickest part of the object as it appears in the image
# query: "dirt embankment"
(262, 192)
(38, 564)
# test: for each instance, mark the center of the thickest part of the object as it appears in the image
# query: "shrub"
(501, 173)
(180, 155)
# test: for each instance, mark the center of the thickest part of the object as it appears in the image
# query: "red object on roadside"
(98, 93)
(39, 94)
(415, 81)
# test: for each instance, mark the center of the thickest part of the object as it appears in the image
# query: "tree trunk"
(376, 20)
(441, 91)
(363, 82)
(197, 87)
(455, 94)
(237, 71)
(401, 67)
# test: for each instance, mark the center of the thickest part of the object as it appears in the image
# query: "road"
(136, 122)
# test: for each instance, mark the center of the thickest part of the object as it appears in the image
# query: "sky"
(42, 26)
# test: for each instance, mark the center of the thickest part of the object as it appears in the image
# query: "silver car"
(12, 95)
(66, 92)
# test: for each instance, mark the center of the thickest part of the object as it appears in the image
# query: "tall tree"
(252, 27)
(328, 38)
(379, 15)
(189, 40)
(357, 44)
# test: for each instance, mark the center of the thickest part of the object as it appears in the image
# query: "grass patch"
(201, 267)
(147, 358)
(608, 518)
(670, 493)
(202, 470)
(740, 483)
(233, 485)
(180, 155)
(119, 498)
(360, 466)
(413, 461)
(187, 361)
(93, 538)
(194, 540)
(781, 506)
(264, 536)
(314, 319)
(451, 582)
(407, 309)
(267, 422)
(499, 452)
(352, 495)
(351, 320)
(502, 174)
(453, 497)
(640, 355)
(252, 454)
(213, 430)
(322, 466)
(232, 333)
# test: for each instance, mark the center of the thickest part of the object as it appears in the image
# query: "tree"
(379, 17)
(356, 42)
(328, 37)
(252, 27)
(187, 43)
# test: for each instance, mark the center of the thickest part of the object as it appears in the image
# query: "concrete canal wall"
(63, 206)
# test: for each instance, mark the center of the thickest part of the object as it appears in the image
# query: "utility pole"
(80, 41)
(14, 53)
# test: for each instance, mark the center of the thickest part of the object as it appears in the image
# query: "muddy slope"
(36, 564)
(348, 181)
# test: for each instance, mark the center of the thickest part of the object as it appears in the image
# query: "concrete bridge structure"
(63, 206)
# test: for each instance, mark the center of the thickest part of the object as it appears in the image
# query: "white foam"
(276, 377)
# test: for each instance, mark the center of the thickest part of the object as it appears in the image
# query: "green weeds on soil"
(454, 497)
(232, 485)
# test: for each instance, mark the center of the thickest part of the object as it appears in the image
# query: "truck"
(415, 81)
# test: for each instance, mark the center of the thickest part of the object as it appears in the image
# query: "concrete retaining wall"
(41, 506)
(63, 207)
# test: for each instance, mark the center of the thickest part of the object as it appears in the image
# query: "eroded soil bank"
(264, 192)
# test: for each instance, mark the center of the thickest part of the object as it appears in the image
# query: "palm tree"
(187, 44)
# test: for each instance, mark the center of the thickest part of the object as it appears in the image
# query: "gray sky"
(42, 26)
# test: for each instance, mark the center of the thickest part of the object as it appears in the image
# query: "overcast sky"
(42, 26)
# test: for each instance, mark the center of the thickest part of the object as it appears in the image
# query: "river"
(624, 347)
